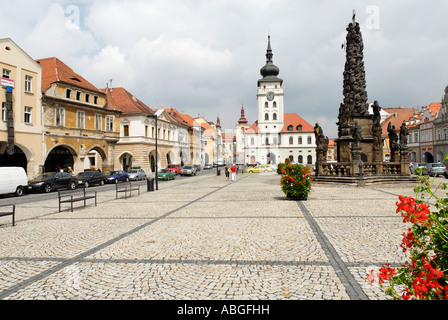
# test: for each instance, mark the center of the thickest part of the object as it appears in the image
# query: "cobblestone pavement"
(205, 238)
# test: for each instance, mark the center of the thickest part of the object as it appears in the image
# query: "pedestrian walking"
(233, 169)
(69, 170)
(227, 172)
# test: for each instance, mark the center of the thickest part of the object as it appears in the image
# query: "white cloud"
(205, 56)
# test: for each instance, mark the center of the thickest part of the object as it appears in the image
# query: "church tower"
(270, 97)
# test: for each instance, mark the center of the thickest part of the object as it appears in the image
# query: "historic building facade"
(138, 133)
(80, 130)
(441, 130)
(275, 135)
(21, 135)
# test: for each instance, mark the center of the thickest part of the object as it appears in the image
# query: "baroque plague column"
(359, 142)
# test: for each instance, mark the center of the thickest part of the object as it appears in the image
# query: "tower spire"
(243, 119)
(270, 71)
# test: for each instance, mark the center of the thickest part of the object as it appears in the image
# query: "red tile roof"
(179, 117)
(294, 119)
(396, 118)
(121, 100)
(54, 70)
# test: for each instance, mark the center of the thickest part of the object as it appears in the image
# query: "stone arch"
(271, 158)
(20, 158)
(125, 159)
(152, 161)
(60, 156)
(100, 158)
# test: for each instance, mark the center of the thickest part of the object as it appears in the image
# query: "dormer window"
(290, 127)
(299, 127)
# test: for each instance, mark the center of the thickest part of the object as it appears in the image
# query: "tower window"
(266, 116)
(266, 105)
(275, 104)
(274, 116)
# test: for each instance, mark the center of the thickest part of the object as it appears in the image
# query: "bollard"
(150, 184)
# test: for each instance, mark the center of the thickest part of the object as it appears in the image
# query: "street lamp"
(155, 116)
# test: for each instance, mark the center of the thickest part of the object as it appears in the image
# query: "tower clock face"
(270, 96)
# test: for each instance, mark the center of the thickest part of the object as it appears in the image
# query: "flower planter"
(296, 198)
(296, 181)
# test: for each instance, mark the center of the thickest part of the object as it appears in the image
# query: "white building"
(276, 135)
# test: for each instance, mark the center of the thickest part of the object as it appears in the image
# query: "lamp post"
(155, 116)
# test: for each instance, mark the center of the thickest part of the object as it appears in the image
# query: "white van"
(13, 180)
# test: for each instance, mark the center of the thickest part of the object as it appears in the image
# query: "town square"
(230, 152)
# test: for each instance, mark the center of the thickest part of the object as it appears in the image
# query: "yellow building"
(21, 137)
(80, 130)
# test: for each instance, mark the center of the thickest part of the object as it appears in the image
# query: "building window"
(95, 99)
(300, 140)
(78, 95)
(110, 123)
(80, 121)
(146, 131)
(310, 159)
(28, 81)
(267, 141)
(299, 127)
(27, 115)
(274, 116)
(59, 117)
(68, 93)
(98, 122)
(309, 140)
(301, 159)
(4, 111)
(266, 116)
(290, 128)
(6, 73)
(87, 98)
(266, 105)
(252, 141)
(126, 130)
(291, 140)
(274, 104)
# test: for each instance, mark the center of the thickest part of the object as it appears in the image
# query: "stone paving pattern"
(205, 238)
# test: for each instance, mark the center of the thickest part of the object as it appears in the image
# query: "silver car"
(188, 171)
(137, 174)
(434, 169)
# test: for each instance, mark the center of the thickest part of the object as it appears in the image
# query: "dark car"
(89, 178)
(52, 181)
(115, 176)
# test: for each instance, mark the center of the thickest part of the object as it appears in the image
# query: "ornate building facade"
(275, 135)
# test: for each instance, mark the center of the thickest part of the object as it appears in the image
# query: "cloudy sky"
(204, 56)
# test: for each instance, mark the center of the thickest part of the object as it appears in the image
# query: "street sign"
(5, 82)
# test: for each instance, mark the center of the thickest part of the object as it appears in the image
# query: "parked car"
(434, 169)
(90, 178)
(13, 180)
(137, 174)
(166, 174)
(208, 166)
(188, 171)
(415, 165)
(52, 181)
(260, 168)
(175, 167)
(115, 176)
